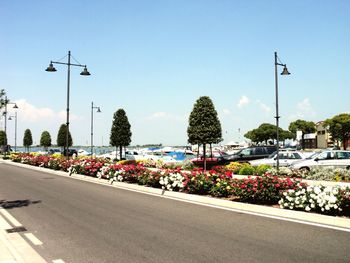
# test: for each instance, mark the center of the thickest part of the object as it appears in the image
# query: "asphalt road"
(84, 222)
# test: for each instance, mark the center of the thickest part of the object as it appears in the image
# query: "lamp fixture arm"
(68, 64)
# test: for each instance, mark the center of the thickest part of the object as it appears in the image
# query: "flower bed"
(268, 188)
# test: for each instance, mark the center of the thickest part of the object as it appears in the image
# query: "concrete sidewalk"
(13, 249)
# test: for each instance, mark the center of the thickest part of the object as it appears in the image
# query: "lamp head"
(285, 71)
(85, 72)
(98, 109)
(50, 68)
(10, 118)
(15, 107)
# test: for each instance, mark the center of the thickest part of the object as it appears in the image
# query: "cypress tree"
(204, 125)
(27, 139)
(61, 137)
(120, 132)
(45, 139)
(3, 138)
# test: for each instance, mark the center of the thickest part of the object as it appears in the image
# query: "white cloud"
(304, 110)
(226, 111)
(158, 115)
(167, 116)
(244, 100)
(263, 106)
(31, 113)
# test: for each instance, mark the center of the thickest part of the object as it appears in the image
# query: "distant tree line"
(338, 127)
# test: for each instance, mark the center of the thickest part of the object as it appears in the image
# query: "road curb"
(259, 210)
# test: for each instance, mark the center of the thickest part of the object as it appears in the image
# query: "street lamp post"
(85, 72)
(7, 101)
(10, 118)
(92, 125)
(284, 72)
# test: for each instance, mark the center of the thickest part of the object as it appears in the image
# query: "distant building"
(323, 138)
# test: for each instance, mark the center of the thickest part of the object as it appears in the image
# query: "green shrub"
(247, 169)
(262, 169)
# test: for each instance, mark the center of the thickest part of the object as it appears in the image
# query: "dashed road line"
(33, 239)
(10, 218)
(58, 261)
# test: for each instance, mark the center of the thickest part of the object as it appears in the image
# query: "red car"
(215, 159)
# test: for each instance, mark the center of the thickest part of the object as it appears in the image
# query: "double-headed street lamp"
(10, 118)
(7, 101)
(85, 72)
(284, 72)
(98, 109)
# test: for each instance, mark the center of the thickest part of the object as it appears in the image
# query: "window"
(343, 155)
(296, 156)
(247, 151)
(259, 151)
(325, 156)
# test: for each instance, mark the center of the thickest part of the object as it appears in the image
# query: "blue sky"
(155, 58)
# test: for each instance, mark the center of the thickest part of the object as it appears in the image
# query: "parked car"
(334, 159)
(286, 158)
(71, 152)
(250, 153)
(216, 158)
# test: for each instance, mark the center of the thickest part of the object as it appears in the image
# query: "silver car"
(334, 159)
(286, 158)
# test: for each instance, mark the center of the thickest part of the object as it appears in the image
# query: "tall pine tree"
(27, 139)
(61, 137)
(45, 140)
(120, 132)
(204, 125)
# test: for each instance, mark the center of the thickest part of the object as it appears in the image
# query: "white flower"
(307, 208)
(317, 190)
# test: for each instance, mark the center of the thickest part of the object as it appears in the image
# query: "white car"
(334, 159)
(285, 158)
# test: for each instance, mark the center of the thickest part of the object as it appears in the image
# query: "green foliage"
(45, 139)
(304, 126)
(3, 138)
(247, 169)
(27, 139)
(2, 100)
(285, 135)
(265, 132)
(262, 169)
(120, 132)
(339, 128)
(199, 183)
(204, 125)
(61, 136)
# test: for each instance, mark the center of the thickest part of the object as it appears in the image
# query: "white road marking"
(10, 218)
(58, 261)
(33, 239)
(3, 224)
